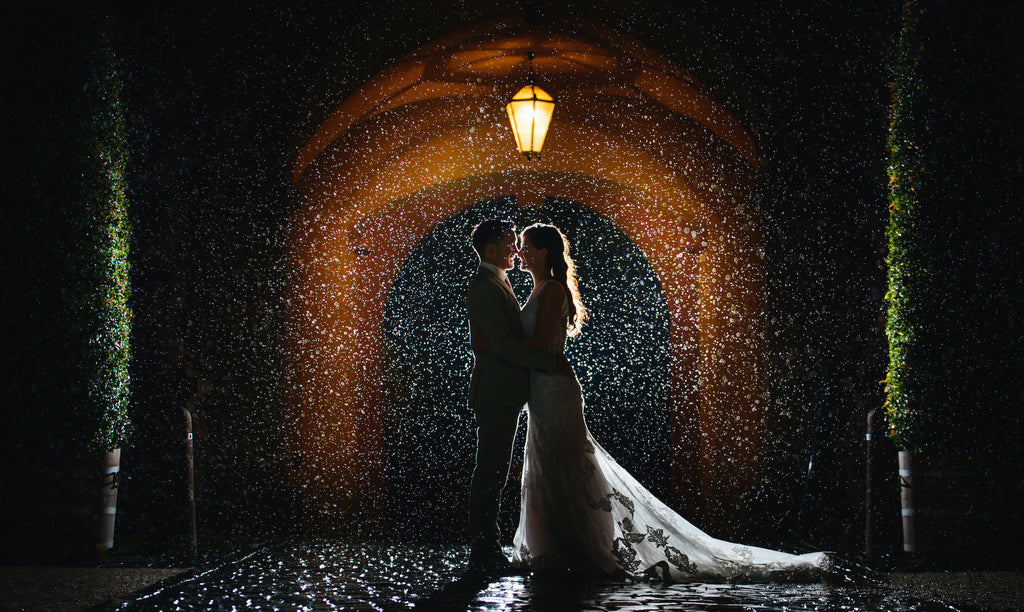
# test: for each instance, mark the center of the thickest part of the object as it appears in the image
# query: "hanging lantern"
(530, 112)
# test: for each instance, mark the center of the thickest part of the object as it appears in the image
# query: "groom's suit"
(497, 391)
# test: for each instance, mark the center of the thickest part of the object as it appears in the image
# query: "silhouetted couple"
(580, 511)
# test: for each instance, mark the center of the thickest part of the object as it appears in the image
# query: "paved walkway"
(74, 588)
(329, 575)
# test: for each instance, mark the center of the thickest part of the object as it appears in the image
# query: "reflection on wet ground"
(332, 575)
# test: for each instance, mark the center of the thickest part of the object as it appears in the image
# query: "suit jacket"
(501, 374)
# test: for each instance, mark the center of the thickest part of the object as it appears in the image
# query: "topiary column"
(906, 262)
(106, 314)
(105, 317)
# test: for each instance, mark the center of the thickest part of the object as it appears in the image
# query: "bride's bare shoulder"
(552, 292)
(551, 287)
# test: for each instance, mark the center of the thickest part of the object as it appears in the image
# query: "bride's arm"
(486, 305)
(550, 320)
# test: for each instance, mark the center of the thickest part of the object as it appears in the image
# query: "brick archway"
(634, 138)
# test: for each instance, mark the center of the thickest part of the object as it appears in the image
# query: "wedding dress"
(581, 511)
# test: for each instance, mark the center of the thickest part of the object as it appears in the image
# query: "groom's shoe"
(487, 559)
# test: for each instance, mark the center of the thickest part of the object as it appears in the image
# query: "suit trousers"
(495, 433)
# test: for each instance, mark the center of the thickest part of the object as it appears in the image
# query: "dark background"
(220, 96)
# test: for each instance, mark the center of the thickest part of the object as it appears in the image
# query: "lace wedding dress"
(581, 511)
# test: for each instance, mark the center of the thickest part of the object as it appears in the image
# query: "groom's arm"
(487, 316)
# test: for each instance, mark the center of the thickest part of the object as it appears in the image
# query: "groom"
(500, 384)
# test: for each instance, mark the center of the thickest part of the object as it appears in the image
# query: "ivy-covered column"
(102, 425)
(907, 378)
(105, 311)
(905, 262)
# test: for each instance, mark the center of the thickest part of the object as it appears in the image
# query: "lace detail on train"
(581, 511)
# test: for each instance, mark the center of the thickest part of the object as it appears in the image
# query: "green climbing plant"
(905, 261)
(104, 307)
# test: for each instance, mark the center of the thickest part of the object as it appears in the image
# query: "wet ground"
(330, 575)
(35, 587)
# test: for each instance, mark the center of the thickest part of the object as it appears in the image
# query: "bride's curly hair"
(563, 268)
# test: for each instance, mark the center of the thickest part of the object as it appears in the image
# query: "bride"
(581, 511)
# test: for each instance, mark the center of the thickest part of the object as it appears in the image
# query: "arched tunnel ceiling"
(490, 59)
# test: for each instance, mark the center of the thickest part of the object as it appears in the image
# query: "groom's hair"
(490, 232)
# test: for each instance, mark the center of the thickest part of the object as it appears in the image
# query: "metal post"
(191, 491)
(869, 493)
